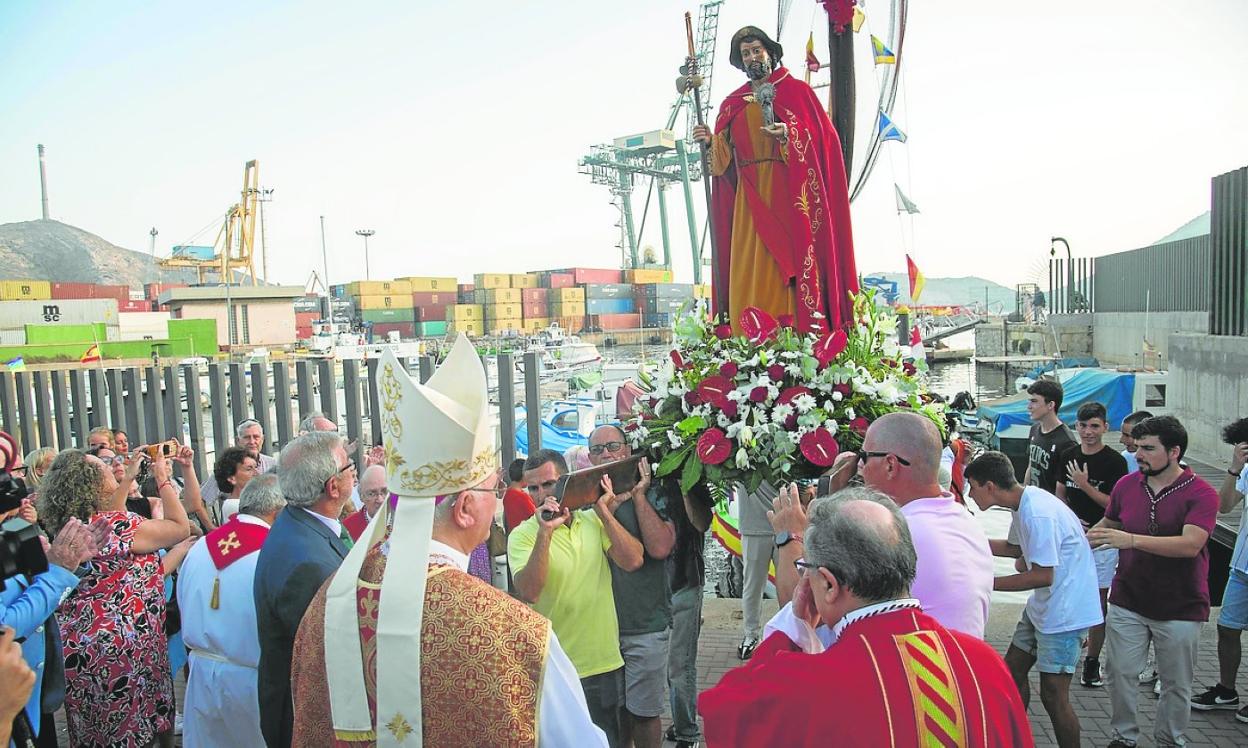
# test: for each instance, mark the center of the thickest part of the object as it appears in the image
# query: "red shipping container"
(558, 280)
(581, 276)
(431, 298)
(153, 290)
(130, 305)
(539, 309)
(303, 332)
(615, 321)
(431, 312)
(466, 287)
(72, 290)
(381, 330)
(532, 294)
(305, 319)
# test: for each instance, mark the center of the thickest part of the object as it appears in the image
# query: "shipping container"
(497, 296)
(567, 309)
(482, 281)
(194, 251)
(431, 312)
(643, 275)
(406, 314)
(382, 330)
(153, 290)
(581, 276)
(392, 301)
(430, 284)
(72, 290)
(16, 314)
(570, 323)
(132, 305)
(303, 319)
(702, 291)
(665, 290)
(307, 304)
(465, 287)
(559, 295)
(338, 291)
(610, 306)
(466, 297)
(524, 280)
(303, 332)
(662, 306)
(379, 288)
(465, 313)
(471, 327)
(608, 291)
(431, 329)
(25, 290)
(497, 326)
(535, 309)
(614, 321)
(657, 320)
(142, 325)
(121, 293)
(532, 294)
(558, 280)
(502, 311)
(424, 298)
(536, 324)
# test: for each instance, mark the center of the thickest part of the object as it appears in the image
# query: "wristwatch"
(784, 538)
(1233, 472)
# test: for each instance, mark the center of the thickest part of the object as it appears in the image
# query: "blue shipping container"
(610, 306)
(657, 320)
(194, 252)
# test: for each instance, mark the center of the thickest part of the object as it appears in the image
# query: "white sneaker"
(1149, 673)
(1157, 687)
(177, 723)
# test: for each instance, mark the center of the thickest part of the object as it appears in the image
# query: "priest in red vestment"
(780, 197)
(853, 661)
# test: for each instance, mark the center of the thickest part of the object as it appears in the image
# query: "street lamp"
(1070, 270)
(365, 233)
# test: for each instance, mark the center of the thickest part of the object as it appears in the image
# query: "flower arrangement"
(774, 404)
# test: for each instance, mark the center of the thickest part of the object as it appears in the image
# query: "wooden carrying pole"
(720, 289)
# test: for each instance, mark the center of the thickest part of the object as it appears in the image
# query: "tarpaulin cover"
(1111, 388)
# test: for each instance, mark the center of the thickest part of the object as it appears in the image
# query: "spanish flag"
(92, 354)
(917, 281)
(883, 55)
(812, 62)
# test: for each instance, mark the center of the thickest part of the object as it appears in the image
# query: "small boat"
(565, 424)
(560, 352)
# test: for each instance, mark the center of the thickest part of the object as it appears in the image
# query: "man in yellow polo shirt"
(560, 567)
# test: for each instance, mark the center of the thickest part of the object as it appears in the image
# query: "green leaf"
(755, 480)
(690, 475)
(672, 460)
(691, 425)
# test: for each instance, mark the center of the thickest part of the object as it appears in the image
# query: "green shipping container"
(201, 332)
(394, 314)
(431, 329)
(59, 334)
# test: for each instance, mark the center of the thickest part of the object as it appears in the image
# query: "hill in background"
(955, 291)
(58, 252)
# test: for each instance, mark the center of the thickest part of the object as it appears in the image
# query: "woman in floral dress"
(119, 688)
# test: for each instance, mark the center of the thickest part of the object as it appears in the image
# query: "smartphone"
(166, 449)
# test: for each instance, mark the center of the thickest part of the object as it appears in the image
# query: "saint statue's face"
(756, 60)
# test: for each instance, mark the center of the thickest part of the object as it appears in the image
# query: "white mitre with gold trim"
(438, 441)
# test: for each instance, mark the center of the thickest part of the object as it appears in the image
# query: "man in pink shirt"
(900, 457)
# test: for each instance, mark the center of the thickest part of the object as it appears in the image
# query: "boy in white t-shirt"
(1055, 561)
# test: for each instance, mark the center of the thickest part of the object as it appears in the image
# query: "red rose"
(728, 369)
(758, 394)
(713, 447)
(819, 447)
(909, 368)
(729, 409)
(692, 398)
(844, 388)
(789, 393)
(775, 372)
(723, 332)
(859, 425)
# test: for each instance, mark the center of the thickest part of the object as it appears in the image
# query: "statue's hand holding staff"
(701, 134)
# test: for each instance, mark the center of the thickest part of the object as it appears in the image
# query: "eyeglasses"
(611, 447)
(18, 471)
(117, 460)
(376, 493)
(498, 491)
(805, 568)
(864, 455)
(349, 466)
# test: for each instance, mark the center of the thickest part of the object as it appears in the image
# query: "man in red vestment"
(780, 198)
(881, 673)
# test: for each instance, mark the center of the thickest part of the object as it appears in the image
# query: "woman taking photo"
(119, 688)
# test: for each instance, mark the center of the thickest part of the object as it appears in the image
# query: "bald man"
(373, 492)
(900, 457)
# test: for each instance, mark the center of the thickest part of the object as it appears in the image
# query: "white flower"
(781, 412)
(837, 396)
(745, 435)
(804, 403)
(743, 459)
(674, 439)
(849, 414)
(734, 429)
(722, 421)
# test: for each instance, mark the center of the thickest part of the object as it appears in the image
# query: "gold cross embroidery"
(229, 543)
(399, 727)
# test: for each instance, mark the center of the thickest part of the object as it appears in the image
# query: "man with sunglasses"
(560, 567)
(900, 457)
(857, 662)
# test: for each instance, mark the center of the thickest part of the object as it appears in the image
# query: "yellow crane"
(232, 250)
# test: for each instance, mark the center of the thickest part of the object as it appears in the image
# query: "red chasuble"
(807, 227)
(894, 679)
(230, 542)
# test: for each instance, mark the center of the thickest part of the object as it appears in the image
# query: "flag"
(917, 281)
(917, 349)
(883, 55)
(904, 204)
(16, 364)
(890, 131)
(859, 19)
(812, 62)
(92, 354)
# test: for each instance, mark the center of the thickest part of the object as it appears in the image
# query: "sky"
(453, 130)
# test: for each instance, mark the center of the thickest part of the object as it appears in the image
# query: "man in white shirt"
(219, 622)
(250, 435)
(1056, 563)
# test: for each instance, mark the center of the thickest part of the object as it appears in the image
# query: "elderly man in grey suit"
(305, 546)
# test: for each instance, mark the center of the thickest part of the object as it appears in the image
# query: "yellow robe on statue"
(754, 278)
(482, 659)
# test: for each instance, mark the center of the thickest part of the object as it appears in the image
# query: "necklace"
(1154, 499)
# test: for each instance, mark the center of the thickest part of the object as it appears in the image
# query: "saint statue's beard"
(756, 71)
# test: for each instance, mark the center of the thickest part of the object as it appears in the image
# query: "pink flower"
(757, 324)
(758, 394)
(677, 359)
(859, 425)
(728, 369)
(692, 398)
(775, 372)
(844, 388)
(729, 409)
(713, 447)
(829, 346)
(713, 390)
(819, 447)
(723, 332)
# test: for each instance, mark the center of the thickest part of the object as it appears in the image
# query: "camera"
(167, 448)
(20, 549)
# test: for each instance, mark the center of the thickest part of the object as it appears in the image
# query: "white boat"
(559, 352)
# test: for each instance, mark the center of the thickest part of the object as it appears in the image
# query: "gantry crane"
(232, 250)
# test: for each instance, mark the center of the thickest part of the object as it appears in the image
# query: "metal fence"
(58, 407)
(1070, 285)
(1170, 277)
(1228, 312)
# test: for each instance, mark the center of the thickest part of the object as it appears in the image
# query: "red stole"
(228, 543)
(807, 227)
(893, 679)
(356, 523)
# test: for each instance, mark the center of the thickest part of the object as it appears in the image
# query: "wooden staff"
(695, 82)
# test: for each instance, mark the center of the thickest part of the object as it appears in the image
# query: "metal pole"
(667, 247)
(43, 182)
(690, 218)
(719, 296)
(153, 234)
(325, 266)
(625, 191)
(365, 233)
(1070, 271)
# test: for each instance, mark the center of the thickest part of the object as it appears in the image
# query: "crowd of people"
(883, 574)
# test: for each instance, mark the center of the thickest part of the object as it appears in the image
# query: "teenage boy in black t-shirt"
(1049, 436)
(1090, 469)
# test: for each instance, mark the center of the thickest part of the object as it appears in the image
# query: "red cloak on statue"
(803, 220)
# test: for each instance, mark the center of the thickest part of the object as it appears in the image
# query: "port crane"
(232, 249)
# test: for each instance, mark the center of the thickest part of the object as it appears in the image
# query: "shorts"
(1234, 613)
(645, 672)
(1055, 653)
(1106, 560)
